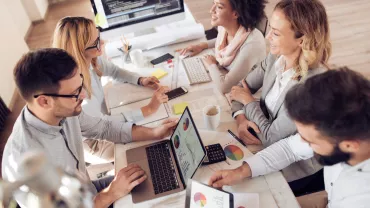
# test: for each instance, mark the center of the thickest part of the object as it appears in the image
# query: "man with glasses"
(54, 122)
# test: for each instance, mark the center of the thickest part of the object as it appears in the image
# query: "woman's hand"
(166, 129)
(244, 133)
(158, 98)
(209, 60)
(241, 94)
(150, 82)
(193, 49)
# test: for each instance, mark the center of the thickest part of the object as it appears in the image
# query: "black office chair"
(261, 26)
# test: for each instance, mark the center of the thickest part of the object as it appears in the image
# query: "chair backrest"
(262, 25)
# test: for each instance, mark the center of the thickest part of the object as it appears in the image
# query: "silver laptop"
(170, 163)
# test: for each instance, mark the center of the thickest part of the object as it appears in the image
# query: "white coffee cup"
(137, 58)
(212, 116)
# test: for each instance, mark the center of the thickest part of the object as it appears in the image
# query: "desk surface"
(273, 189)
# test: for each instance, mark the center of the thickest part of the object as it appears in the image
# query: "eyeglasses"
(96, 44)
(65, 96)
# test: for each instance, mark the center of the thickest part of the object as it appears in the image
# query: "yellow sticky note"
(100, 20)
(159, 73)
(180, 107)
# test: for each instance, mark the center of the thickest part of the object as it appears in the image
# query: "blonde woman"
(80, 38)
(299, 48)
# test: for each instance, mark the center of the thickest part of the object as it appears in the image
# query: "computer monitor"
(128, 16)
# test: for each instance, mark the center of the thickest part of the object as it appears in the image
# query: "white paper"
(122, 94)
(160, 114)
(225, 139)
(246, 200)
(235, 152)
(207, 197)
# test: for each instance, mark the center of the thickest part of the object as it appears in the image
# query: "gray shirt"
(62, 144)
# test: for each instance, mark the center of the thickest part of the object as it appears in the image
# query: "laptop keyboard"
(161, 168)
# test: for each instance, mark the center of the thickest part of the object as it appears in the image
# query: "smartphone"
(176, 92)
(161, 59)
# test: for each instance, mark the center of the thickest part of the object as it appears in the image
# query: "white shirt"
(281, 81)
(96, 105)
(347, 186)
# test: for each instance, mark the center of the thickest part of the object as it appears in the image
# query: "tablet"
(201, 195)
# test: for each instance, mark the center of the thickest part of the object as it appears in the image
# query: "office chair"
(261, 26)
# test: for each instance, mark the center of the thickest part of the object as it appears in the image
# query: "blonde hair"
(73, 34)
(309, 21)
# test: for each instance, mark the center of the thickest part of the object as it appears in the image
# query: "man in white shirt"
(332, 115)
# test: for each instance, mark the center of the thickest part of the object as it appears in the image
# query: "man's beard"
(63, 112)
(337, 156)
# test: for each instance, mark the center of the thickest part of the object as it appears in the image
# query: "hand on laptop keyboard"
(126, 179)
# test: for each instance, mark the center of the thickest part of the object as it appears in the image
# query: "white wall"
(17, 14)
(12, 43)
(36, 9)
(43, 6)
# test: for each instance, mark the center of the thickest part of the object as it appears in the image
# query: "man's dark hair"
(250, 12)
(40, 71)
(336, 102)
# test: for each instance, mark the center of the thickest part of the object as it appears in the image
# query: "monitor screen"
(188, 146)
(119, 13)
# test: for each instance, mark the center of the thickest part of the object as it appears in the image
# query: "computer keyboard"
(196, 71)
(161, 168)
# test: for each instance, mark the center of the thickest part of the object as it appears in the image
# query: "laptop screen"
(188, 146)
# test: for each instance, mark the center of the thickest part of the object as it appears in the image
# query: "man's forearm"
(279, 156)
(141, 133)
(104, 199)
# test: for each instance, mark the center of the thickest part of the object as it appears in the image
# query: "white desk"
(273, 189)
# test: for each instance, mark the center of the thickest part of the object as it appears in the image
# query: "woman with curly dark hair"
(238, 46)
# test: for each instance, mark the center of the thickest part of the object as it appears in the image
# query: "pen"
(235, 137)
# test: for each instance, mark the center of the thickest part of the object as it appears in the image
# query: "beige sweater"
(253, 51)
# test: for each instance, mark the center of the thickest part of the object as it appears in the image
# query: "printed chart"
(177, 141)
(233, 152)
(185, 124)
(200, 199)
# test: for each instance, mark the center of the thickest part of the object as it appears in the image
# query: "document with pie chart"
(202, 195)
(235, 154)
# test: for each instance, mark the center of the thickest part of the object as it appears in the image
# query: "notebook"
(157, 116)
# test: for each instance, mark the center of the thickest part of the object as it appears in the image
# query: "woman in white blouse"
(239, 44)
(80, 38)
